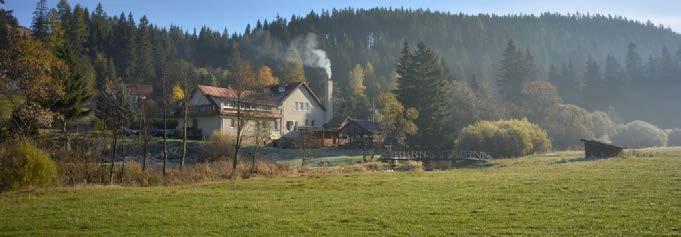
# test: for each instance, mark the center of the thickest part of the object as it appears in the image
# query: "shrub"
(638, 134)
(504, 138)
(218, 147)
(567, 124)
(674, 137)
(411, 166)
(603, 126)
(22, 164)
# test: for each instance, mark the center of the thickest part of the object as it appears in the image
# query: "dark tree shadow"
(581, 159)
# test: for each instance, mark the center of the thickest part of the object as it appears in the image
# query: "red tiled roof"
(258, 96)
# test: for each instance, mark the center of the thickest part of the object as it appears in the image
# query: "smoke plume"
(311, 54)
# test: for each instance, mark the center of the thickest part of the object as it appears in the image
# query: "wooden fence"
(434, 155)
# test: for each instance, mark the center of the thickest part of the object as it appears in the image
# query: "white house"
(284, 107)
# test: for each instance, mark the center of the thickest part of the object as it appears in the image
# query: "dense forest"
(628, 69)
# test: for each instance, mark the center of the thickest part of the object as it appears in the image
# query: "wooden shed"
(598, 149)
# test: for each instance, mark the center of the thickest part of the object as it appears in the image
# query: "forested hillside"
(633, 67)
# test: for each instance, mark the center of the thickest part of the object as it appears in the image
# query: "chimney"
(329, 100)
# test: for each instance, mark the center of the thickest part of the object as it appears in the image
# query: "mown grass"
(550, 195)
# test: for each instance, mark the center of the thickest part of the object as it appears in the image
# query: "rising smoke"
(311, 54)
(308, 48)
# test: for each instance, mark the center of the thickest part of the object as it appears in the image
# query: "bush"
(411, 166)
(567, 124)
(509, 138)
(638, 134)
(218, 147)
(603, 127)
(22, 165)
(674, 137)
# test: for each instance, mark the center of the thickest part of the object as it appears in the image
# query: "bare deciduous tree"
(242, 80)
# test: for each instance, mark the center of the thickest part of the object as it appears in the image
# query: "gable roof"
(289, 88)
(269, 95)
(228, 93)
(337, 122)
(366, 125)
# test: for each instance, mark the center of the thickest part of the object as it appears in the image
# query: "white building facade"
(282, 109)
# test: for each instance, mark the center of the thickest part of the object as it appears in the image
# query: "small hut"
(598, 149)
(360, 131)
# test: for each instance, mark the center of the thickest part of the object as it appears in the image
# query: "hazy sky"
(234, 15)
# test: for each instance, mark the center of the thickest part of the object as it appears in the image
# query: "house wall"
(207, 124)
(290, 112)
(199, 99)
(250, 127)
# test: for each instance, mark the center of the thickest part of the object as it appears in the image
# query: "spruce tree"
(613, 78)
(40, 25)
(77, 90)
(422, 85)
(144, 70)
(515, 70)
(593, 85)
(634, 65)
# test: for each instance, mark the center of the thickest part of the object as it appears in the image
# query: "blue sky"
(234, 15)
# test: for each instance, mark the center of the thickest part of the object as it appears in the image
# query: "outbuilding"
(598, 149)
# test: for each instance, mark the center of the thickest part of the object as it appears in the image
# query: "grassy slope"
(527, 196)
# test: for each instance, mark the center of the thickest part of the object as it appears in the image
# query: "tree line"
(363, 46)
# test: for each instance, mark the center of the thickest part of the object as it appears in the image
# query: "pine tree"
(76, 31)
(100, 31)
(40, 25)
(614, 81)
(516, 69)
(7, 34)
(406, 84)
(634, 66)
(593, 85)
(78, 89)
(422, 85)
(293, 68)
(144, 70)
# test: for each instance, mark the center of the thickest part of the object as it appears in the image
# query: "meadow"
(553, 194)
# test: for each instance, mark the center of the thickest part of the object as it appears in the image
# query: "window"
(195, 123)
(309, 107)
(295, 125)
(289, 125)
(306, 122)
(312, 124)
(232, 123)
(275, 125)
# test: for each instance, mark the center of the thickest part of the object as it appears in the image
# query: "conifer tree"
(293, 68)
(614, 79)
(78, 89)
(515, 70)
(144, 70)
(421, 85)
(40, 25)
(593, 85)
(634, 65)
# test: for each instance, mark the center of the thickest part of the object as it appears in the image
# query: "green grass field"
(555, 194)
